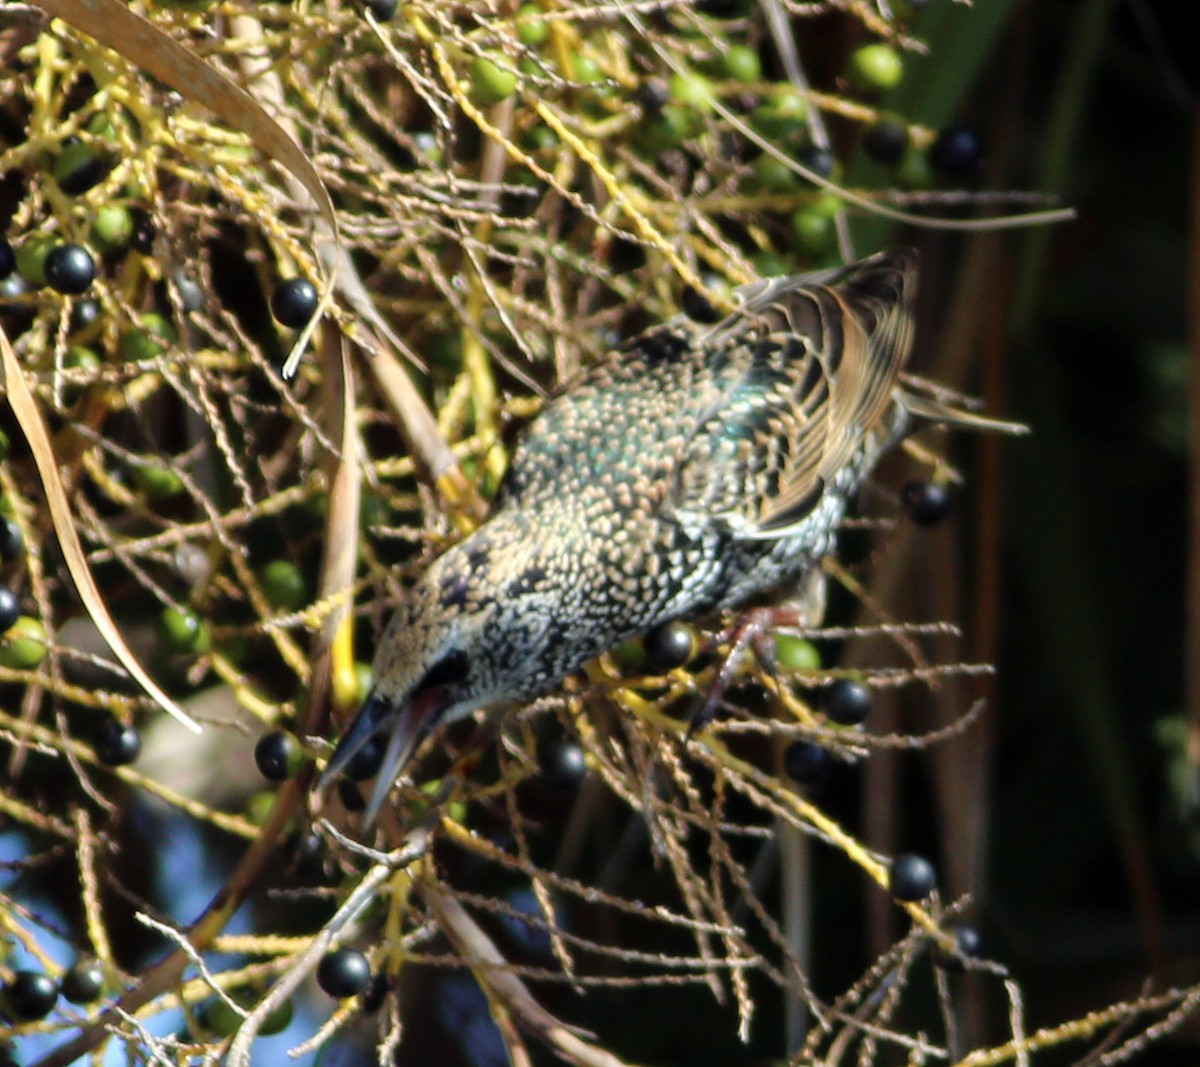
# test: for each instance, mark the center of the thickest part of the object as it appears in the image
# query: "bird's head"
(465, 636)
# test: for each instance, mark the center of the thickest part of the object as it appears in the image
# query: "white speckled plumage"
(696, 468)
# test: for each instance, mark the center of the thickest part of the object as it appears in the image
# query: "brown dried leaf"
(29, 418)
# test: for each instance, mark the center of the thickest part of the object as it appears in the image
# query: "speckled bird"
(699, 467)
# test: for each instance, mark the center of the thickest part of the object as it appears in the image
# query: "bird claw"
(751, 632)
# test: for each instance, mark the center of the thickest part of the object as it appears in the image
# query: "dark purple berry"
(79, 167)
(10, 609)
(365, 763)
(115, 743)
(344, 972)
(653, 94)
(927, 503)
(912, 877)
(69, 269)
(304, 854)
(967, 944)
(846, 702)
(956, 152)
(294, 302)
(563, 764)
(383, 10)
(83, 983)
(820, 160)
(30, 995)
(83, 314)
(670, 645)
(886, 141)
(278, 755)
(807, 763)
(8, 258)
(144, 232)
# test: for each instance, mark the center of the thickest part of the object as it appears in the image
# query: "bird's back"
(743, 422)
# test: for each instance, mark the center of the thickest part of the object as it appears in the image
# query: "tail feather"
(929, 409)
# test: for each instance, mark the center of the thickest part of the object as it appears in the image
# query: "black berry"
(653, 95)
(10, 609)
(927, 503)
(957, 152)
(83, 983)
(563, 764)
(968, 945)
(344, 972)
(670, 645)
(78, 167)
(304, 853)
(383, 10)
(115, 743)
(69, 269)
(846, 702)
(294, 302)
(30, 995)
(83, 314)
(277, 755)
(912, 877)
(820, 160)
(13, 286)
(12, 543)
(365, 763)
(8, 258)
(886, 141)
(144, 232)
(807, 763)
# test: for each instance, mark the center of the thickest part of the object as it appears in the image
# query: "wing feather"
(817, 359)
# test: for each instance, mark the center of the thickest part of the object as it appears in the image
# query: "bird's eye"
(451, 668)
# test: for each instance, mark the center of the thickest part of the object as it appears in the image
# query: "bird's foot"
(752, 631)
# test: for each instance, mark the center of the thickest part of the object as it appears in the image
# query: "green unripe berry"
(491, 82)
(532, 29)
(773, 175)
(783, 114)
(796, 653)
(24, 646)
(31, 259)
(184, 631)
(113, 226)
(586, 70)
(812, 230)
(146, 340)
(876, 66)
(158, 482)
(741, 64)
(284, 585)
(670, 128)
(692, 90)
(81, 357)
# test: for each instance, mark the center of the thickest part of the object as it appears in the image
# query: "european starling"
(696, 468)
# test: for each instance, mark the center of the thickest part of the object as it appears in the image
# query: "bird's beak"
(408, 723)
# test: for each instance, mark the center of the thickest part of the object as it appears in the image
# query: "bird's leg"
(753, 630)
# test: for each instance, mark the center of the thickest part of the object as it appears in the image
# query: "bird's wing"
(807, 368)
